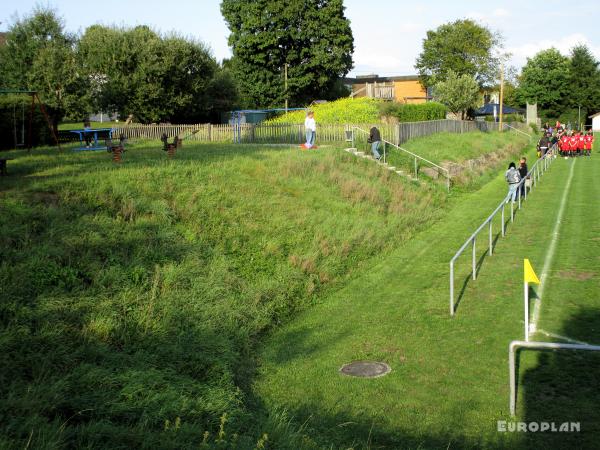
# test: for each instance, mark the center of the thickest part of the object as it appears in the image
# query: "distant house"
(595, 122)
(403, 89)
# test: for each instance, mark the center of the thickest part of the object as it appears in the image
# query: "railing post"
(451, 288)
(491, 240)
(512, 379)
(474, 259)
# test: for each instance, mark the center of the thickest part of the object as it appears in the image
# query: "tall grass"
(133, 294)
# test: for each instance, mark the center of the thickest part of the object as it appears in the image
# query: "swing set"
(20, 140)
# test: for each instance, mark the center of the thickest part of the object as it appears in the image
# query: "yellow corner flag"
(530, 276)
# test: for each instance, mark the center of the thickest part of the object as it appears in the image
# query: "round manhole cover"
(366, 369)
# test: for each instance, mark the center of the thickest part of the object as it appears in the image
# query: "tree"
(545, 80)
(155, 78)
(584, 82)
(458, 92)
(313, 38)
(463, 47)
(39, 56)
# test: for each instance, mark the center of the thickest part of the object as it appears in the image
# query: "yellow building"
(402, 89)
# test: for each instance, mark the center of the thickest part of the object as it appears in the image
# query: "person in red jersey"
(588, 140)
(580, 143)
(564, 145)
(573, 143)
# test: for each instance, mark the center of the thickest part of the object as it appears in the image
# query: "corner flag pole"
(529, 276)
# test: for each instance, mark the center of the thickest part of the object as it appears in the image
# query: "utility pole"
(501, 94)
(285, 66)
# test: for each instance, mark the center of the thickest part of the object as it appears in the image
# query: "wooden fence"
(294, 133)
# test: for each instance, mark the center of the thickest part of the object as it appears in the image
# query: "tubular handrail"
(445, 171)
(515, 345)
(519, 131)
(538, 168)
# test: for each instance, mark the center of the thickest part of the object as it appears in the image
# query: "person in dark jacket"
(523, 173)
(543, 145)
(375, 141)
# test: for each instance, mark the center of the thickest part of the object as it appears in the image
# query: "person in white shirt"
(310, 126)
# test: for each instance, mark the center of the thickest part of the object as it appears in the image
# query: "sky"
(388, 34)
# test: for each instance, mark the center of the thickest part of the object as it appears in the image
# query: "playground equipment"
(34, 97)
(87, 135)
(116, 148)
(170, 148)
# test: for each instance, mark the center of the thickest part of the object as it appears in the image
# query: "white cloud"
(520, 53)
(501, 12)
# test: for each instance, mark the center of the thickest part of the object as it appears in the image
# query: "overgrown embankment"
(133, 295)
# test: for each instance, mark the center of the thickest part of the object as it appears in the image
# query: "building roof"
(376, 78)
(594, 115)
(488, 110)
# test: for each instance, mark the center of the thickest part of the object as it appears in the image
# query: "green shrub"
(425, 111)
(415, 112)
(507, 118)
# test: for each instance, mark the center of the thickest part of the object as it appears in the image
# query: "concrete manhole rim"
(386, 369)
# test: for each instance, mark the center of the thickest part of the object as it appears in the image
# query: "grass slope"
(449, 384)
(132, 295)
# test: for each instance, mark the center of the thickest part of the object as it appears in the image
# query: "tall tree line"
(564, 87)
(130, 71)
(313, 39)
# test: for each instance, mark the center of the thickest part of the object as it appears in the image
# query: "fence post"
(451, 288)
(491, 240)
(474, 259)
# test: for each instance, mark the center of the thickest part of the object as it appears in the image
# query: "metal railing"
(515, 345)
(518, 131)
(441, 170)
(537, 170)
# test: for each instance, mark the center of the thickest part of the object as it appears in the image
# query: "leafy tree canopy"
(545, 81)
(39, 56)
(463, 47)
(155, 78)
(457, 92)
(313, 38)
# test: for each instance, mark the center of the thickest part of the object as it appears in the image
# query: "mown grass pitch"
(449, 382)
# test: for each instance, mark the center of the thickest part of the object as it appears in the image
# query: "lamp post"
(579, 118)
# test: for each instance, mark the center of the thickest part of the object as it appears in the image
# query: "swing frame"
(34, 98)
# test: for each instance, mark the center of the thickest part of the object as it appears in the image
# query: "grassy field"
(449, 381)
(135, 297)
(133, 294)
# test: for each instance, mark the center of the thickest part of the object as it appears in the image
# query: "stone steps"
(394, 169)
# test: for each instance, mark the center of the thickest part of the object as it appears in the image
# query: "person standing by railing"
(512, 177)
(310, 127)
(375, 141)
(523, 173)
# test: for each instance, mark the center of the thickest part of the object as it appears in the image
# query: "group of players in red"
(575, 143)
(570, 142)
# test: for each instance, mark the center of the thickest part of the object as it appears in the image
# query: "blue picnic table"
(88, 134)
